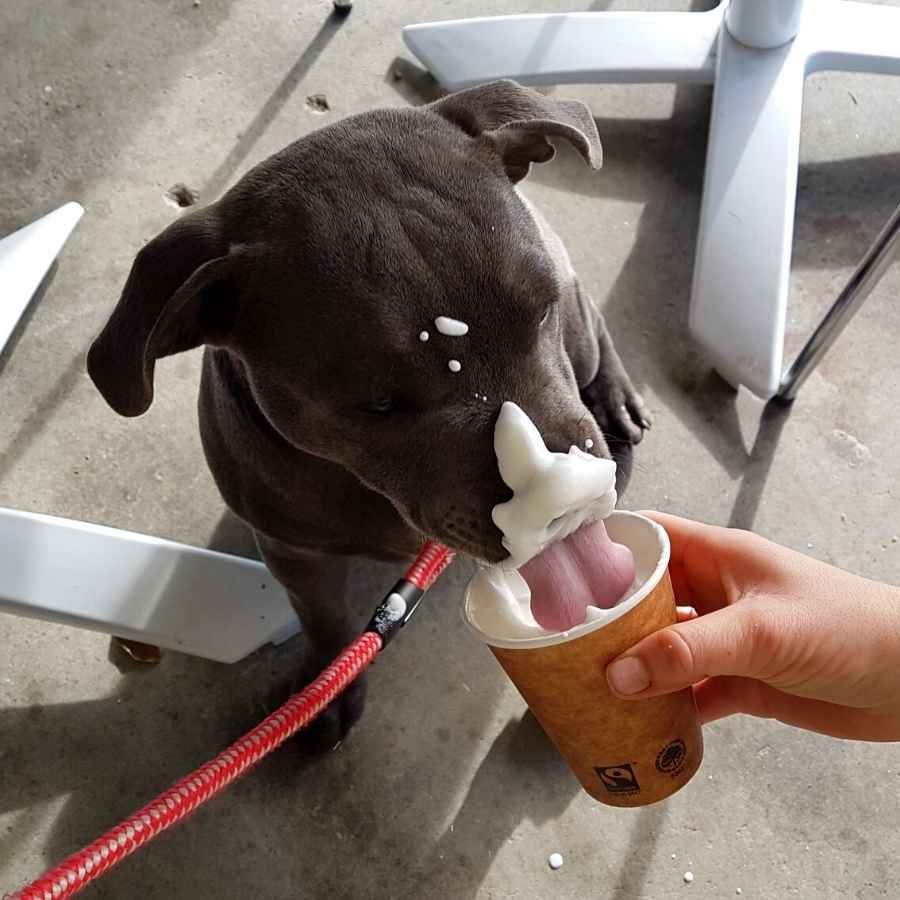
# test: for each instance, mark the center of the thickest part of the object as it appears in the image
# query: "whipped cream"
(554, 494)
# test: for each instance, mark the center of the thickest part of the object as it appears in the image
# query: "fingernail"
(628, 676)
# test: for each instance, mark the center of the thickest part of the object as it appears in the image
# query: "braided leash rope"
(203, 783)
(180, 800)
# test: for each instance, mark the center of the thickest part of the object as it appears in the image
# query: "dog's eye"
(387, 405)
(380, 407)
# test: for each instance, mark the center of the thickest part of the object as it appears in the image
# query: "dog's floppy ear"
(177, 297)
(517, 121)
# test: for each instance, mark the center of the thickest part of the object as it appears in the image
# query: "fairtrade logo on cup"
(618, 779)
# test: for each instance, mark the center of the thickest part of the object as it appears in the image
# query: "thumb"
(723, 642)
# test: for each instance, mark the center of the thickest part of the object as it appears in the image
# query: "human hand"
(778, 635)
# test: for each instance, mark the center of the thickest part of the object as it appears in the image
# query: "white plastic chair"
(757, 53)
(131, 585)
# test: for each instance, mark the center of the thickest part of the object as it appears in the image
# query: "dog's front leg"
(605, 387)
(617, 406)
(317, 587)
(606, 390)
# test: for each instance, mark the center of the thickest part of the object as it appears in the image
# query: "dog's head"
(321, 269)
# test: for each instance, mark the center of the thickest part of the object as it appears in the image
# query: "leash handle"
(403, 598)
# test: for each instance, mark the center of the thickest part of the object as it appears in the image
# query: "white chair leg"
(140, 587)
(25, 257)
(742, 265)
(854, 37)
(569, 48)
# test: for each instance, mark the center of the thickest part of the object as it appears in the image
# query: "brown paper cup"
(624, 753)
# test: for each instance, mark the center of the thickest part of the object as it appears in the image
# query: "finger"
(681, 586)
(727, 695)
(685, 613)
(715, 561)
(685, 595)
(724, 642)
(682, 533)
(698, 551)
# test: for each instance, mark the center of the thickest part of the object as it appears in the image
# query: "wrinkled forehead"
(370, 324)
(399, 201)
(381, 244)
(439, 246)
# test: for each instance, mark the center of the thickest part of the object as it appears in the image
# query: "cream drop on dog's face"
(319, 272)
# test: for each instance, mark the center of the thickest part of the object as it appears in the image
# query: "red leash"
(81, 868)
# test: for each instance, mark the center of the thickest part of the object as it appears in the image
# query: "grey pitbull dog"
(331, 428)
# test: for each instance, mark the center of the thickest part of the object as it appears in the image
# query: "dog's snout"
(568, 425)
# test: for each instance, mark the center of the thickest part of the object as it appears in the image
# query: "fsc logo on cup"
(671, 758)
(618, 779)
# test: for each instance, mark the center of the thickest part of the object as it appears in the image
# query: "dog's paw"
(330, 727)
(333, 723)
(618, 408)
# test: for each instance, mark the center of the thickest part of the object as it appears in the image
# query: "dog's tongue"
(585, 569)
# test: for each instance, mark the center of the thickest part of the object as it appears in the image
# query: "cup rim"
(562, 637)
